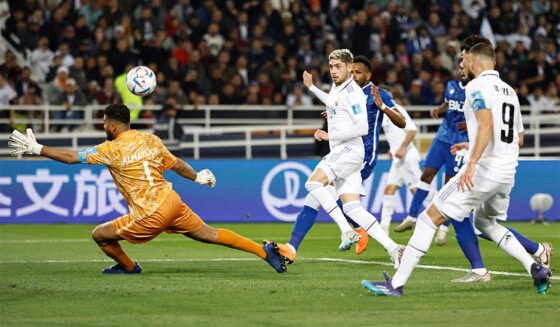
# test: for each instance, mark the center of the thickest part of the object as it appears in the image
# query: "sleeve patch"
(356, 108)
(82, 154)
(478, 101)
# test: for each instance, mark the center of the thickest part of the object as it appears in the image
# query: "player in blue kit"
(378, 102)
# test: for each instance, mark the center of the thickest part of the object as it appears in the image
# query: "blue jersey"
(448, 132)
(375, 118)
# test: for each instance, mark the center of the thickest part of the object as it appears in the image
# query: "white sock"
(292, 247)
(410, 218)
(424, 186)
(311, 202)
(417, 247)
(430, 196)
(506, 241)
(539, 250)
(444, 228)
(480, 271)
(322, 195)
(369, 223)
(388, 210)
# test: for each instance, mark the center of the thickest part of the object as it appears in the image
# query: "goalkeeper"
(137, 161)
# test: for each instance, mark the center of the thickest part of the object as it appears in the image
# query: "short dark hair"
(363, 60)
(473, 40)
(118, 112)
(483, 49)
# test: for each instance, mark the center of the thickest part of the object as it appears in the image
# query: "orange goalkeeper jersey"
(136, 161)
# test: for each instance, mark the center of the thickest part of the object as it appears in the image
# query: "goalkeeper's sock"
(236, 241)
(530, 246)
(115, 252)
(304, 222)
(418, 198)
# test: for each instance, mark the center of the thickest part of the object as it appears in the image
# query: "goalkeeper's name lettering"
(140, 155)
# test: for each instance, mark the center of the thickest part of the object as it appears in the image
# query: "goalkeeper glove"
(24, 143)
(204, 177)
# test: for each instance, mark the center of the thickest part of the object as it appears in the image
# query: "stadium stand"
(233, 52)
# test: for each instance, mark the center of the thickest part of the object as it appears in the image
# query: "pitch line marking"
(381, 263)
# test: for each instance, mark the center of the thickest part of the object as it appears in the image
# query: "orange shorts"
(173, 216)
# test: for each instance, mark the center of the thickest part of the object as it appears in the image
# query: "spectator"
(166, 126)
(42, 58)
(415, 96)
(298, 97)
(58, 85)
(70, 98)
(91, 11)
(175, 91)
(215, 39)
(539, 102)
(78, 73)
(25, 85)
(7, 94)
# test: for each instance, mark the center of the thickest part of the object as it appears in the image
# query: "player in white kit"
(484, 183)
(348, 122)
(405, 166)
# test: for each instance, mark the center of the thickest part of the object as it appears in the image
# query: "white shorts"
(343, 167)
(405, 172)
(489, 199)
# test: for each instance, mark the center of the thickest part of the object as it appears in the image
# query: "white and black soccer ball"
(141, 81)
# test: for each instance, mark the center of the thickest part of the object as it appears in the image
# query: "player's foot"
(541, 278)
(383, 288)
(473, 277)
(396, 256)
(348, 238)
(544, 257)
(363, 242)
(284, 250)
(407, 224)
(441, 237)
(274, 258)
(119, 269)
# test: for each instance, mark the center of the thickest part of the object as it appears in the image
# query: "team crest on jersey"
(451, 91)
(356, 108)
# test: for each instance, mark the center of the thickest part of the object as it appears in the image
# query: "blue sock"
(419, 197)
(447, 222)
(339, 202)
(530, 246)
(464, 232)
(303, 224)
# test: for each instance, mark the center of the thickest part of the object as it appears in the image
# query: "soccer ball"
(141, 81)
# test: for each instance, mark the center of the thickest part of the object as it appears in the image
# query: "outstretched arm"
(27, 144)
(203, 177)
(308, 82)
(441, 110)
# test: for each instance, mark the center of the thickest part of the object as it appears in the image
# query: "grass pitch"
(50, 275)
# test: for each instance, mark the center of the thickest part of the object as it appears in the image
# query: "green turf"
(197, 291)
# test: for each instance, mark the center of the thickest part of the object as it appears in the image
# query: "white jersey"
(346, 115)
(488, 91)
(396, 135)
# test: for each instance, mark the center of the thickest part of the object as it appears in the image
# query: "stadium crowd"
(254, 52)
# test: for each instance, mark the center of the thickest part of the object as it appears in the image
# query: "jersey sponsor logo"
(356, 108)
(455, 105)
(285, 204)
(478, 101)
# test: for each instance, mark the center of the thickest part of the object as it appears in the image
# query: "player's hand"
(24, 143)
(324, 114)
(400, 153)
(321, 135)
(376, 96)
(458, 147)
(205, 177)
(434, 113)
(307, 79)
(462, 126)
(466, 178)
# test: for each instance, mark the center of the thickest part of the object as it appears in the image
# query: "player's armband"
(82, 154)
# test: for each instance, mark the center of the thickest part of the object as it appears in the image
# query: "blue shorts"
(366, 171)
(439, 154)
